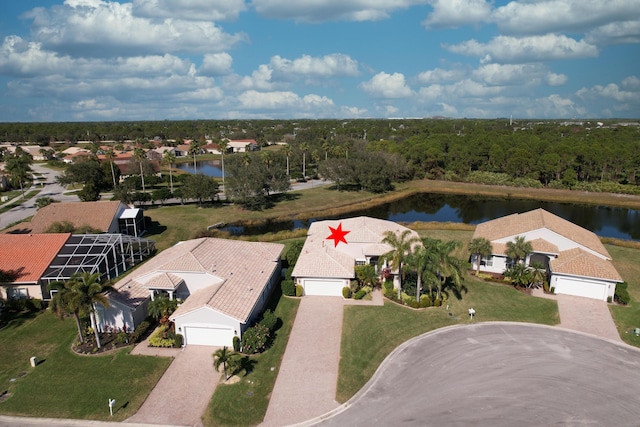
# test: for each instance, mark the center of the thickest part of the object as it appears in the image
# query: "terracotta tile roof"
(29, 255)
(238, 272)
(319, 258)
(576, 262)
(98, 215)
(517, 224)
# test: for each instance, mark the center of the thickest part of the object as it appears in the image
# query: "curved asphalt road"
(500, 374)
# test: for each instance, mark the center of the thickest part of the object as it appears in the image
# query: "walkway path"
(308, 377)
(587, 315)
(183, 393)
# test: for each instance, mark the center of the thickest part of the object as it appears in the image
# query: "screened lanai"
(109, 254)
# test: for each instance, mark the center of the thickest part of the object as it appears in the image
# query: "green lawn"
(245, 403)
(627, 317)
(66, 385)
(369, 334)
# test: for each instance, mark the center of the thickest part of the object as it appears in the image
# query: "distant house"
(24, 258)
(325, 266)
(576, 261)
(105, 217)
(225, 285)
(242, 145)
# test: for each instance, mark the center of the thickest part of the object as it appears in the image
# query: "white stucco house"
(225, 285)
(576, 260)
(326, 263)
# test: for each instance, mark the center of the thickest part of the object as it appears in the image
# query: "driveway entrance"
(183, 393)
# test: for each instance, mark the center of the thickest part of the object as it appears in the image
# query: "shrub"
(388, 285)
(140, 331)
(622, 295)
(346, 292)
(360, 294)
(354, 285)
(552, 290)
(288, 287)
(162, 338)
(299, 290)
(366, 289)
(255, 339)
(236, 343)
(437, 302)
(425, 301)
(390, 293)
(414, 304)
(178, 340)
(406, 299)
(121, 338)
(269, 320)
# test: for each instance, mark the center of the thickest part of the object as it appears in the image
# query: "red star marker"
(337, 235)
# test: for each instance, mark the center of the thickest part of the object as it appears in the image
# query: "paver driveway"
(182, 394)
(307, 381)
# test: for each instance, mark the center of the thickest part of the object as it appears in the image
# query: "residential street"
(49, 188)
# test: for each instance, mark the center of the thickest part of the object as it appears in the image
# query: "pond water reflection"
(605, 221)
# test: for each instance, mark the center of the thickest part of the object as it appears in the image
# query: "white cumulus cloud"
(439, 75)
(111, 29)
(196, 10)
(390, 86)
(456, 13)
(326, 66)
(507, 49)
(216, 64)
(330, 10)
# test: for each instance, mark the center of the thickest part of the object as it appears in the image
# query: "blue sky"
(90, 60)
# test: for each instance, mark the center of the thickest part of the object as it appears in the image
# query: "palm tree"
(447, 268)
(267, 159)
(223, 145)
(480, 247)
(161, 307)
(88, 292)
(169, 157)
(226, 358)
(139, 154)
(421, 261)
(401, 245)
(194, 148)
(518, 249)
(326, 146)
(64, 301)
(19, 167)
(304, 147)
(110, 155)
(287, 152)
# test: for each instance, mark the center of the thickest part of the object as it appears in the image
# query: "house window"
(18, 293)
(487, 261)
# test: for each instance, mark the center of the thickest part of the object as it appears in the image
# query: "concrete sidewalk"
(307, 381)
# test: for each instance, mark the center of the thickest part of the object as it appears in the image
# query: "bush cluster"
(23, 304)
(622, 294)
(255, 339)
(288, 287)
(141, 331)
(163, 337)
(346, 292)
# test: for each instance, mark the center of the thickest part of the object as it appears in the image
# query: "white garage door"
(323, 287)
(208, 336)
(581, 288)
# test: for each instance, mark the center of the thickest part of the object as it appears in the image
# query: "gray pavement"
(500, 375)
(47, 186)
(183, 393)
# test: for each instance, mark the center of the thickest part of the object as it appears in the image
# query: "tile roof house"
(104, 217)
(326, 265)
(225, 284)
(23, 260)
(576, 260)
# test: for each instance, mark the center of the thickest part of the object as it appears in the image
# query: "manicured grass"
(369, 334)
(66, 385)
(245, 403)
(625, 259)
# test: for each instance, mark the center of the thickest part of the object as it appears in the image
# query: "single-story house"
(24, 258)
(104, 217)
(242, 145)
(577, 262)
(225, 285)
(334, 247)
